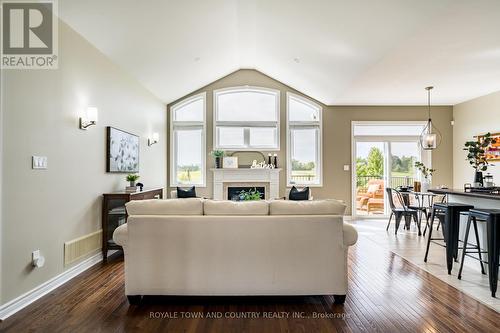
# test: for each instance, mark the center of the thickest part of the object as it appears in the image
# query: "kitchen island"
(482, 199)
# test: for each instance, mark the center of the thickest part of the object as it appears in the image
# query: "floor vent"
(81, 247)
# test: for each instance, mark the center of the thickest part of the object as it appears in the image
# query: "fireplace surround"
(245, 177)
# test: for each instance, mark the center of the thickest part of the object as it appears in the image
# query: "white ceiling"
(356, 52)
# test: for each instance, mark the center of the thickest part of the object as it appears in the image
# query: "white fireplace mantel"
(246, 175)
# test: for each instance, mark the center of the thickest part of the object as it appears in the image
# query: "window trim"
(248, 124)
(303, 124)
(187, 125)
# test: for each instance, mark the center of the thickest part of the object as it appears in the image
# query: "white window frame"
(188, 125)
(305, 125)
(247, 125)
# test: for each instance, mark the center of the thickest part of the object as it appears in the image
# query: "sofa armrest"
(350, 234)
(120, 235)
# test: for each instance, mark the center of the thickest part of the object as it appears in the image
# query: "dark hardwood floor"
(387, 294)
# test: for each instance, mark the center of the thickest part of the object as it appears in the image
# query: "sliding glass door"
(370, 177)
(383, 157)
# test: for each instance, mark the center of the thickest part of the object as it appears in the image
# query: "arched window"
(187, 141)
(303, 141)
(246, 118)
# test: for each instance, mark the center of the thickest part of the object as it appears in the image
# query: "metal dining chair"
(420, 207)
(401, 210)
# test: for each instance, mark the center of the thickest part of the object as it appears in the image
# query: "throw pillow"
(186, 193)
(295, 194)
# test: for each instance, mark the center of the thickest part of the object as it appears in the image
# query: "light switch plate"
(39, 162)
(346, 167)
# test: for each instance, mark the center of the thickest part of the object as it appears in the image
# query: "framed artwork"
(493, 151)
(122, 151)
(230, 162)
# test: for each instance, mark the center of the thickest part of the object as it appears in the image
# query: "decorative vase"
(425, 185)
(132, 183)
(478, 179)
(275, 160)
(218, 162)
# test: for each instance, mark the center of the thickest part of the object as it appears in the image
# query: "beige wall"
(336, 134)
(43, 209)
(477, 116)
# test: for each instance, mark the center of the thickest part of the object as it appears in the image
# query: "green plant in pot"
(426, 173)
(132, 178)
(250, 195)
(476, 156)
(218, 155)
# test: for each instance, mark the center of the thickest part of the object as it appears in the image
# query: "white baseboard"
(8, 309)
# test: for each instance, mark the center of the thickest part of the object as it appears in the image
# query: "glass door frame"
(425, 157)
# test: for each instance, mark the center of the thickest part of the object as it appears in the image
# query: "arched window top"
(247, 104)
(303, 110)
(190, 109)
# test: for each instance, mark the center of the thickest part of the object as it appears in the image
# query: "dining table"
(424, 202)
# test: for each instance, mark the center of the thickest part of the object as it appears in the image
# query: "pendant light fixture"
(430, 137)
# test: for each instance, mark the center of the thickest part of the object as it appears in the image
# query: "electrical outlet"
(37, 260)
(39, 162)
(346, 167)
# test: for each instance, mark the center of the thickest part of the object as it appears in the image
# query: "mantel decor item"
(261, 165)
(477, 156)
(230, 162)
(218, 155)
(122, 151)
(430, 138)
(246, 157)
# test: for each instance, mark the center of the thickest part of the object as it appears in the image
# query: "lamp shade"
(431, 137)
(92, 114)
(429, 141)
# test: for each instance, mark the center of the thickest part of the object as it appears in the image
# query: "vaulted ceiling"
(356, 52)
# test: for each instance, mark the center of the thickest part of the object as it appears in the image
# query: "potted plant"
(250, 195)
(426, 173)
(218, 154)
(131, 178)
(477, 157)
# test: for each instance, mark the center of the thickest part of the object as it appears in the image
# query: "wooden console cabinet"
(114, 214)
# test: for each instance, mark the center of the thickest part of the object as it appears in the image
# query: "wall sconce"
(89, 119)
(154, 139)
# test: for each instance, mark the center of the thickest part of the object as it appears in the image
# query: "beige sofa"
(205, 247)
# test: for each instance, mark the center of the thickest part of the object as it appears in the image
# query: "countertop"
(467, 194)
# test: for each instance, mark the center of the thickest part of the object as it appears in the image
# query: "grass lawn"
(191, 177)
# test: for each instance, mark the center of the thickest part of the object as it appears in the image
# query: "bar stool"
(476, 248)
(450, 229)
(437, 213)
(492, 219)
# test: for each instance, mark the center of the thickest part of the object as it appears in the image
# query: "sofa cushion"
(214, 207)
(309, 207)
(189, 206)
